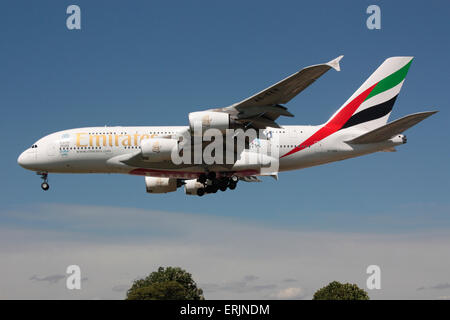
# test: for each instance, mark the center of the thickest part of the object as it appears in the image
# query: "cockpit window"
(34, 146)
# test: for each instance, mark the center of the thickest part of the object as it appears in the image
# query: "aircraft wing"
(262, 109)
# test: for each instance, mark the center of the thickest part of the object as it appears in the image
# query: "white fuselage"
(102, 149)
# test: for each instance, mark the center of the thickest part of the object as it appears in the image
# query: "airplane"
(359, 127)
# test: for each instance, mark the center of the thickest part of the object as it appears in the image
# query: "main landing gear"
(44, 176)
(212, 183)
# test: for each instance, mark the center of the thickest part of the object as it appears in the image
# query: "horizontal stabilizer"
(391, 129)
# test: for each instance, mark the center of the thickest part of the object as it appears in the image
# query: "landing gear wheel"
(202, 178)
(44, 176)
(200, 192)
(234, 179)
(223, 184)
(232, 185)
(211, 175)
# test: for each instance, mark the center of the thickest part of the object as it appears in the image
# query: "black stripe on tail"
(372, 113)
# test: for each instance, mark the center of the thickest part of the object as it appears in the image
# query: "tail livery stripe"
(390, 81)
(334, 124)
(346, 117)
(372, 113)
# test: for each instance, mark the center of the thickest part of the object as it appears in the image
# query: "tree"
(338, 291)
(166, 284)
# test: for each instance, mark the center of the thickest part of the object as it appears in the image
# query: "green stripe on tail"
(390, 81)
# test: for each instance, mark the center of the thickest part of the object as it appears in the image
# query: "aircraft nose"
(25, 159)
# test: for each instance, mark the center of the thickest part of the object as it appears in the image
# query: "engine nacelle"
(158, 149)
(201, 121)
(160, 185)
(191, 186)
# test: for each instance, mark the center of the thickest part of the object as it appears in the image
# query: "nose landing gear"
(44, 176)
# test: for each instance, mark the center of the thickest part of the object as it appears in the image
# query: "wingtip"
(335, 63)
(430, 113)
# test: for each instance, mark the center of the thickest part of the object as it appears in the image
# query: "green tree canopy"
(166, 284)
(338, 291)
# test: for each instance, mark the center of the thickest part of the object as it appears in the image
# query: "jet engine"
(158, 149)
(191, 186)
(160, 185)
(201, 121)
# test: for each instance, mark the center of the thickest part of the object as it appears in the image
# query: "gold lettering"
(136, 135)
(127, 141)
(110, 136)
(144, 136)
(117, 139)
(91, 138)
(79, 138)
(97, 139)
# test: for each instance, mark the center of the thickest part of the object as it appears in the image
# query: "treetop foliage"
(338, 291)
(171, 283)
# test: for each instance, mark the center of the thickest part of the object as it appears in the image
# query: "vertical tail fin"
(370, 106)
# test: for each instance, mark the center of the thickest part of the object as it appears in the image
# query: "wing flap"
(260, 122)
(250, 179)
(254, 111)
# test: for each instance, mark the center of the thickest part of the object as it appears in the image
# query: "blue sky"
(153, 62)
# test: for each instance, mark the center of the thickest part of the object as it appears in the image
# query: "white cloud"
(228, 258)
(54, 278)
(289, 293)
(246, 285)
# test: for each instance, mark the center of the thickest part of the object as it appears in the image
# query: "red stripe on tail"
(335, 123)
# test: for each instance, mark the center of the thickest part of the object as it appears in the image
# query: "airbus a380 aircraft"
(359, 127)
